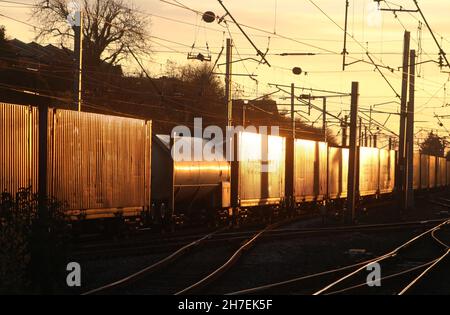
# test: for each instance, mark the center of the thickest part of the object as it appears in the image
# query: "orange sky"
(301, 21)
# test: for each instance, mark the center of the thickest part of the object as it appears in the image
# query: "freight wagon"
(106, 167)
(184, 189)
(430, 172)
(99, 166)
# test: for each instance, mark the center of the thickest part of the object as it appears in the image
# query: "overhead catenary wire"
(280, 67)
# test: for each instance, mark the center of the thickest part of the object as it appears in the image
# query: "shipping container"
(442, 171)
(438, 172)
(424, 171)
(99, 165)
(19, 148)
(369, 163)
(337, 172)
(416, 170)
(310, 170)
(261, 169)
(432, 171)
(387, 171)
(323, 170)
(334, 172)
(345, 161)
(194, 181)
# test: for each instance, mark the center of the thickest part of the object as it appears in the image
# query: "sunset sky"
(299, 26)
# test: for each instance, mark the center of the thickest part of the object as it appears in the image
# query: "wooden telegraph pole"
(290, 152)
(403, 115)
(352, 161)
(410, 133)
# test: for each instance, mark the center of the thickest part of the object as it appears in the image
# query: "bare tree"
(110, 27)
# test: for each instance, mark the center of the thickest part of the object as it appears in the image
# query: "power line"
(351, 36)
(441, 51)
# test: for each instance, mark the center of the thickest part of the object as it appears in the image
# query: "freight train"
(108, 167)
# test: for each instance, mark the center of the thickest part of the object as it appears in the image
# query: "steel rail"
(148, 270)
(420, 277)
(231, 261)
(381, 258)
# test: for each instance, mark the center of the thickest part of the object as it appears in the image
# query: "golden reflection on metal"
(99, 161)
(18, 147)
(199, 167)
(368, 171)
(261, 182)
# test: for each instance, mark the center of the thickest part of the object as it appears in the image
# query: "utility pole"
(403, 116)
(293, 109)
(78, 54)
(228, 82)
(232, 147)
(324, 119)
(410, 132)
(344, 52)
(290, 153)
(353, 154)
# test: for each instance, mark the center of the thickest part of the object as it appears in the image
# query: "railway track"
(163, 245)
(242, 240)
(153, 267)
(148, 242)
(140, 245)
(403, 268)
(221, 268)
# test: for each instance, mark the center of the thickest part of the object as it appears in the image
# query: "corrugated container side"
(304, 173)
(334, 172)
(345, 158)
(424, 171)
(19, 145)
(277, 164)
(443, 171)
(438, 172)
(432, 171)
(369, 171)
(416, 170)
(100, 163)
(387, 171)
(323, 172)
(257, 186)
(393, 158)
(249, 168)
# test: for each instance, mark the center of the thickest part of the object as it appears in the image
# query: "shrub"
(33, 237)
